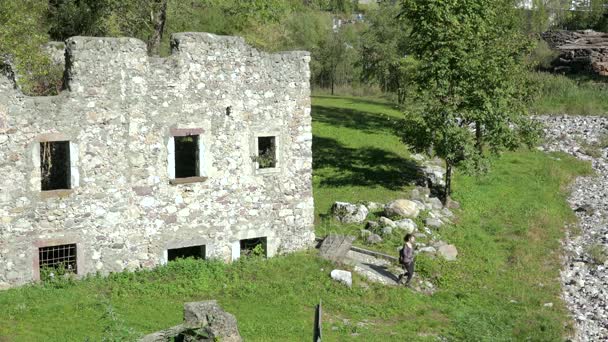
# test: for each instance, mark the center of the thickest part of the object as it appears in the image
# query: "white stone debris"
(584, 281)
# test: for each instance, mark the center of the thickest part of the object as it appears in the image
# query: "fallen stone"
(374, 206)
(448, 252)
(344, 277)
(407, 225)
(374, 239)
(386, 222)
(348, 212)
(203, 321)
(334, 247)
(364, 233)
(435, 203)
(372, 225)
(433, 222)
(427, 249)
(403, 208)
(388, 230)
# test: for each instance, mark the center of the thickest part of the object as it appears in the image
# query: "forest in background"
(356, 49)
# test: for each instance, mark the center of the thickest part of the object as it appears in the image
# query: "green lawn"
(507, 235)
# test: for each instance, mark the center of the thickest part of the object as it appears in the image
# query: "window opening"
(254, 247)
(55, 165)
(186, 156)
(59, 259)
(266, 157)
(196, 252)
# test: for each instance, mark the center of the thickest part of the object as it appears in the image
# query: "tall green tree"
(471, 82)
(384, 48)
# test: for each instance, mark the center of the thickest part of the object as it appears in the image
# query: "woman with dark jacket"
(406, 258)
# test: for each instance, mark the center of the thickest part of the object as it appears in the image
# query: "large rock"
(374, 239)
(448, 252)
(386, 231)
(349, 213)
(203, 321)
(433, 222)
(435, 175)
(435, 203)
(343, 277)
(386, 222)
(407, 225)
(403, 208)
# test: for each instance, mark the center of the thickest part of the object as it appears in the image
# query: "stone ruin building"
(141, 160)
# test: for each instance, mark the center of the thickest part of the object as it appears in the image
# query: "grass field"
(573, 95)
(507, 234)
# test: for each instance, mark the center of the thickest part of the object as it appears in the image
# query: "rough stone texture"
(119, 111)
(584, 281)
(402, 207)
(349, 213)
(203, 321)
(579, 50)
(374, 239)
(344, 277)
(386, 231)
(433, 222)
(448, 252)
(407, 225)
(334, 247)
(386, 222)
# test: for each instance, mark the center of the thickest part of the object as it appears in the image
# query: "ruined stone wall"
(119, 113)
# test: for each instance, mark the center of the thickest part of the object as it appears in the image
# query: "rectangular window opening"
(187, 156)
(254, 247)
(266, 157)
(196, 252)
(60, 259)
(55, 165)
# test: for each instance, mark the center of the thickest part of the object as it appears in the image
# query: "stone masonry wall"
(119, 113)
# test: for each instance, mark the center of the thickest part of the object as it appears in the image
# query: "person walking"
(406, 258)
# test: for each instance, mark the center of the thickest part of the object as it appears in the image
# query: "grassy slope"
(507, 236)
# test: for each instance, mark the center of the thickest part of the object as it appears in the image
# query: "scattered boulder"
(402, 207)
(344, 277)
(374, 239)
(372, 225)
(388, 230)
(448, 252)
(334, 247)
(203, 321)
(349, 213)
(427, 249)
(364, 233)
(447, 213)
(407, 225)
(386, 222)
(374, 206)
(420, 193)
(433, 222)
(435, 203)
(434, 175)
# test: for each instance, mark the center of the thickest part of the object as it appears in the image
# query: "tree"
(384, 51)
(471, 82)
(332, 54)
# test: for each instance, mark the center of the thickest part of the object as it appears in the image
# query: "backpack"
(401, 256)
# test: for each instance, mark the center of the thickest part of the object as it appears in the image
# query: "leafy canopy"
(471, 81)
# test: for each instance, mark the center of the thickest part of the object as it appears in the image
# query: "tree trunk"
(478, 137)
(159, 18)
(332, 84)
(448, 182)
